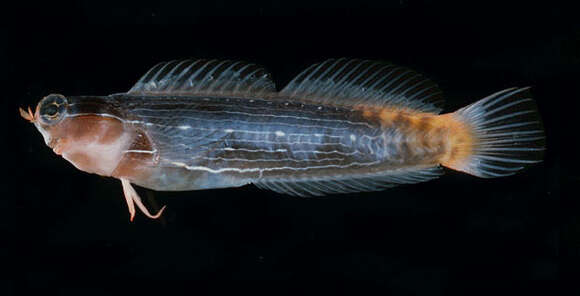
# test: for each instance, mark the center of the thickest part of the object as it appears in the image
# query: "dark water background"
(65, 232)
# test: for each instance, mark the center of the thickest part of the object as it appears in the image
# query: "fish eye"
(52, 108)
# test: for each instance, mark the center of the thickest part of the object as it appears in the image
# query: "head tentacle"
(27, 115)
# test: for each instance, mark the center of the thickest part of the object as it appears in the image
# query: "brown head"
(49, 112)
(82, 130)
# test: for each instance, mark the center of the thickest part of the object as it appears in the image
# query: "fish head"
(48, 115)
(82, 131)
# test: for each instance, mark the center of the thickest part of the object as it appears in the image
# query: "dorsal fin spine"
(245, 78)
(193, 74)
(341, 82)
(151, 71)
(200, 70)
(186, 70)
(205, 77)
(164, 87)
(209, 74)
(171, 65)
(253, 72)
(156, 77)
(171, 73)
(178, 67)
(216, 80)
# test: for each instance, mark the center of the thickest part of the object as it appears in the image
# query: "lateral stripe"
(246, 170)
(228, 102)
(248, 122)
(357, 123)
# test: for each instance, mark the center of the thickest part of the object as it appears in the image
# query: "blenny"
(340, 126)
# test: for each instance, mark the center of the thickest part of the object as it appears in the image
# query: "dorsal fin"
(360, 82)
(205, 77)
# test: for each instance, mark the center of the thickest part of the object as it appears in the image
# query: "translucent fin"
(349, 184)
(353, 82)
(507, 131)
(205, 77)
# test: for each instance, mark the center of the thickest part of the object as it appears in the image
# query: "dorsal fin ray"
(348, 82)
(205, 77)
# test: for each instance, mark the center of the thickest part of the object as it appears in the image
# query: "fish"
(340, 126)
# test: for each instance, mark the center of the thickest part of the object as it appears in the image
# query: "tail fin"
(506, 134)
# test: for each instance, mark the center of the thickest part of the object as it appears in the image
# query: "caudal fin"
(506, 134)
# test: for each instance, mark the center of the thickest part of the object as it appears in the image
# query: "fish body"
(340, 126)
(189, 143)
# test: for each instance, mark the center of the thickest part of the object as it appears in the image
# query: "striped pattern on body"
(267, 138)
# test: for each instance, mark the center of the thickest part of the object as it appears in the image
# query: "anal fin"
(319, 186)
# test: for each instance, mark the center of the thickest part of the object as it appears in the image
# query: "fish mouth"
(56, 146)
(53, 143)
(28, 115)
(48, 139)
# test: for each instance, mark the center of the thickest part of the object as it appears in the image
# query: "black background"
(65, 232)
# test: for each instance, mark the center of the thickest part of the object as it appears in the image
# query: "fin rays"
(509, 135)
(133, 199)
(348, 184)
(205, 77)
(347, 82)
(343, 82)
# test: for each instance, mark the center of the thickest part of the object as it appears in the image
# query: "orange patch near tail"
(460, 142)
(446, 133)
(497, 135)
